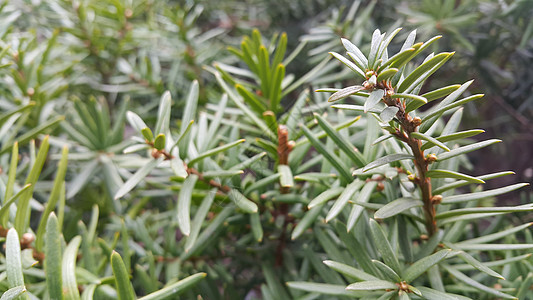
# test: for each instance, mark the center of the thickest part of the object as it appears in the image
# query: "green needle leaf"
(122, 278)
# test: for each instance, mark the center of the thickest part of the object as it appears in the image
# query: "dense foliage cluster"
(161, 150)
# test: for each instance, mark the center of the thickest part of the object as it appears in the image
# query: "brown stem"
(409, 125)
(284, 148)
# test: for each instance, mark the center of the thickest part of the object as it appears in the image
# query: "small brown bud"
(411, 177)
(424, 237)
(380, 187)
(30, 92)
(437, 199)
(431, 157)
(416, 121)
(291, 145)
(156, 153)
(390, 92)
(367, 85)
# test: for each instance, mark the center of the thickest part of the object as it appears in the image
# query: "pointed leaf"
(373, 99)
(452, 174)
(52, 258)
(173, 290)
(383, 246)
(345, 92)
(137, 177)
(184, 204)
(387, 160)
(68, 271)
(372, 285)
(242, 202)
(397, 207)
(466, 149)
(422, 265)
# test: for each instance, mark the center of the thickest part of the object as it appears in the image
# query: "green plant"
(172, 176)
(425, 236)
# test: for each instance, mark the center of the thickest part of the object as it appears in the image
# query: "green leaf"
(397, 207)
(242, 202)
(372, 285)
(416, 101)
(184, 204)
(453, 136)
(452, 174)
(411, 79)
(122, 278)
(343, 199)
(331, 157)
(14, 260)
(307, 220)
(173, 290)
(357, 54)
(286, 178)
(424, 264)
(199, 218)
(257, 229)
(321, 288)
(466, 149)
(493, 247)
(398, 59)
(137, 178)
(431, 139)
(387, 74)
(386, 271)
(52, 258)
(377, 38)
(481, 195)
(429, 293)
(4, 211)
(471, 282)
(275, 89)
(482, 210)
(373, 99)
(345, 92)
(342, 142)
(362, 197)
(383, 246)
(214, 151)
(53, 198)
(191, 105)
(498, 235)
(442, 92)
(13, 293)
(478, 265)
(160, 141)
(136, 122)
(388, 113)
(10, 185)
(247, 112)
(22, 218)
(349, 64)
(68, 270)
(461, 183)
(349, 271)
(386, 160)
(440, 110)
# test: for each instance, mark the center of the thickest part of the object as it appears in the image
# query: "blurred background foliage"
(72, 69)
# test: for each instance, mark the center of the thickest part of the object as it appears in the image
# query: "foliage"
(159, 149)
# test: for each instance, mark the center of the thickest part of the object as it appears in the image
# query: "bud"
(416, 121)
(437, 199)
(431, 157)
(411, 177)
(30, 92)
(380, 187)
(369, 74)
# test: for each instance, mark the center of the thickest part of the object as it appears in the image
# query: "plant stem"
(409, 125)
